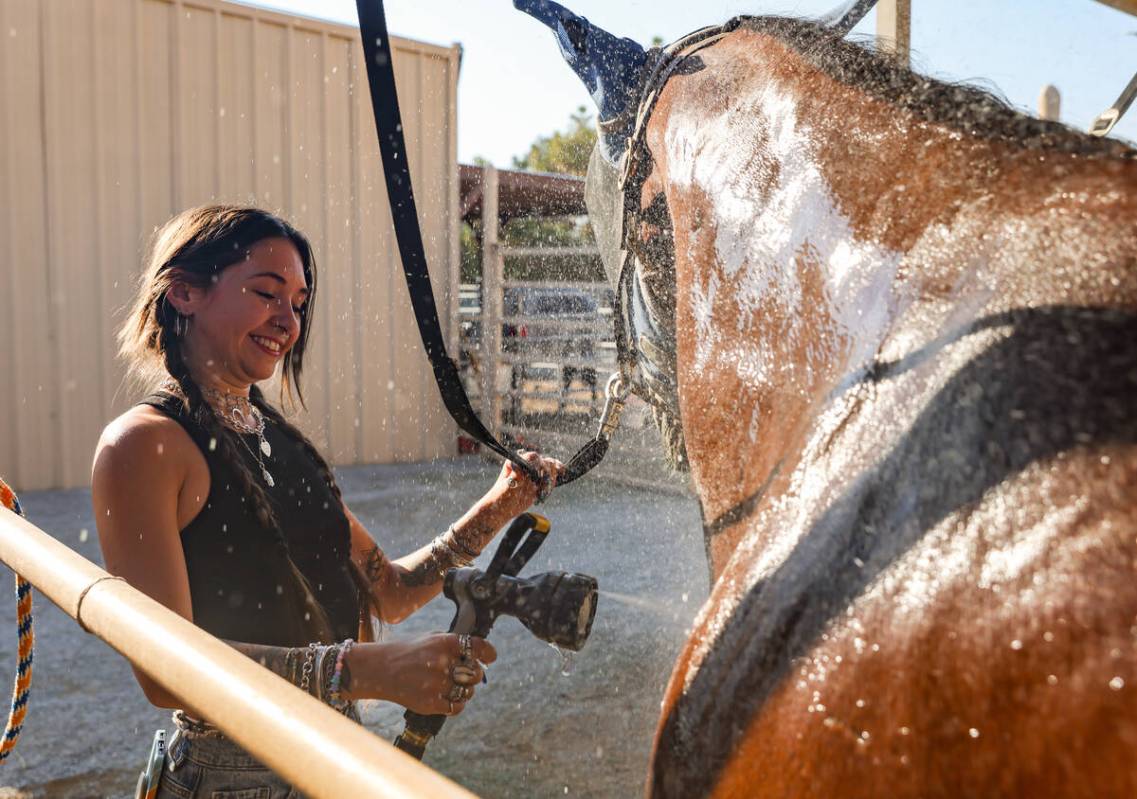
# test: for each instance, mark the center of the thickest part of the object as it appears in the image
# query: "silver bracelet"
(446, 555)
(309, 664)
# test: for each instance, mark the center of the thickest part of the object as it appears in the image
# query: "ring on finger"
(463, 674)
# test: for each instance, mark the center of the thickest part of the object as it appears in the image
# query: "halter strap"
(1103, 125)
(392, 145)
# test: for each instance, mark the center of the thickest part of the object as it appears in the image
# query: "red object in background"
(467, 446)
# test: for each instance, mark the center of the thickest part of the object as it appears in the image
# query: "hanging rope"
(23, 686)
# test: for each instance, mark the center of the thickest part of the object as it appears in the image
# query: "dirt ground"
(531, 732)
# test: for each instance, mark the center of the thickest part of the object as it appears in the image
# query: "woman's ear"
(184, 297)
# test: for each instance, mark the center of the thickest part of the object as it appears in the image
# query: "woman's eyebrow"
(278, 278)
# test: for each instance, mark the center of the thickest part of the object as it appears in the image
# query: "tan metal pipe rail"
(316, 749)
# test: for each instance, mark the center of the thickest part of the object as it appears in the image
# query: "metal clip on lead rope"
(615, 396)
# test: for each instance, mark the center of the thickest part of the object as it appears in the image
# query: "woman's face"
(243, 324)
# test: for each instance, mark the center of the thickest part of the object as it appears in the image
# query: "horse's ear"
(609, 66)
(846, 16)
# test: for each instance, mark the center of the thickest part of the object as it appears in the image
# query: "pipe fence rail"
(319, 751)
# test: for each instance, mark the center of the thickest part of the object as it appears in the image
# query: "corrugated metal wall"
(116, 114)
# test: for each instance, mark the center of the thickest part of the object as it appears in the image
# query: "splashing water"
(568, 660)
(636, 601)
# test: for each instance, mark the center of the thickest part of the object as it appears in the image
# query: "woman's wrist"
(358, 680)
(477, 528)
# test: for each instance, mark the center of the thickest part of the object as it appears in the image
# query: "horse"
(889, 324)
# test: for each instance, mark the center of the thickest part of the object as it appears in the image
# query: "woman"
(209, 501)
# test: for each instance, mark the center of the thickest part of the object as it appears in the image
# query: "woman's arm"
(402, 586)
(139, 469)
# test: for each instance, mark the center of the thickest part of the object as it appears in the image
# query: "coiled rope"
(23, 686)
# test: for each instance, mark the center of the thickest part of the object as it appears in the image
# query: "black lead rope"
(392, 145)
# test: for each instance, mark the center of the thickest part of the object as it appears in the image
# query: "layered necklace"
(238, 412)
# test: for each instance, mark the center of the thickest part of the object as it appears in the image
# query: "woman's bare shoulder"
(143, 435)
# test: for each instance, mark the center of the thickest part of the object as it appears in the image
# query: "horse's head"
(622, 78)
(614, 71)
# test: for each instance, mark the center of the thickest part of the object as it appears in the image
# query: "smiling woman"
(211, 502)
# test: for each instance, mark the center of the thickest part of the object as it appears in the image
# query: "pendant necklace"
(240, 414)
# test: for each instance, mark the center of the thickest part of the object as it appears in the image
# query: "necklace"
(238, 412)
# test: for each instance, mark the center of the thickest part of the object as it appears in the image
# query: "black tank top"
(234, 566)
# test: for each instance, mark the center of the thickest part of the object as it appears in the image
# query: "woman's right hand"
(419, 673)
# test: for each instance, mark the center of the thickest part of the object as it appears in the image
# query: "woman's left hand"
(513, 493)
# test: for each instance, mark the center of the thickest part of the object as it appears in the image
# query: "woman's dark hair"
(194, 248)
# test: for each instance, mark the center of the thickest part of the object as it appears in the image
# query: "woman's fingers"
(483, 650)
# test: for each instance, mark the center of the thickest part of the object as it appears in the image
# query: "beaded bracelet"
(335, 685)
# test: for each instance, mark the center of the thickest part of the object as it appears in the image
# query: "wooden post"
(1050, 103)
(493, 275)
(894, 28)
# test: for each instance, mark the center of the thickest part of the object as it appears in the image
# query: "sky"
(514, 86)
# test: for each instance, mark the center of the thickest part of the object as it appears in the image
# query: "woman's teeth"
(268, 343)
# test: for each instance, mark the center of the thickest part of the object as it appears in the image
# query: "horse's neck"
(798, 203)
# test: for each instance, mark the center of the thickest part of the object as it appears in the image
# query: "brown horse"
(893, 331)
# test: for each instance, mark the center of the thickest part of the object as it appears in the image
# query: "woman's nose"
(288, 320)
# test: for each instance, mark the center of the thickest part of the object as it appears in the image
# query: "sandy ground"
(530, 732)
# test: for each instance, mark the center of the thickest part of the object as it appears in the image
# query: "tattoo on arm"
(427, 571)
(376, 567)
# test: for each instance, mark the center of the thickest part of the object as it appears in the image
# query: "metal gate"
(536, 355)
(536, 371)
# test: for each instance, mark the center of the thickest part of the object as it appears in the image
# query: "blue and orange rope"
(23, 686)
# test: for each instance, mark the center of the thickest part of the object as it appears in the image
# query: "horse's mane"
(967, 109)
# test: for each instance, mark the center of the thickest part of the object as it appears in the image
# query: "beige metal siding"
(114, 115)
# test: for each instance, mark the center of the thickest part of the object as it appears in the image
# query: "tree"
(565, 152)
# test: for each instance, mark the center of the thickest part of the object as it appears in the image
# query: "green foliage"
(565, 152)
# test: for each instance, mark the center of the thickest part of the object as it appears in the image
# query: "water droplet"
(860, 703)
(567, 661)
(1016, 644)
(1048, 636)
(904, 730)
(1117, 683)
(1052, 679)
(974, 733)
(83, 534)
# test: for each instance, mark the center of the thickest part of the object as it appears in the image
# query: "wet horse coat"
(906, 345)
(906, 361)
